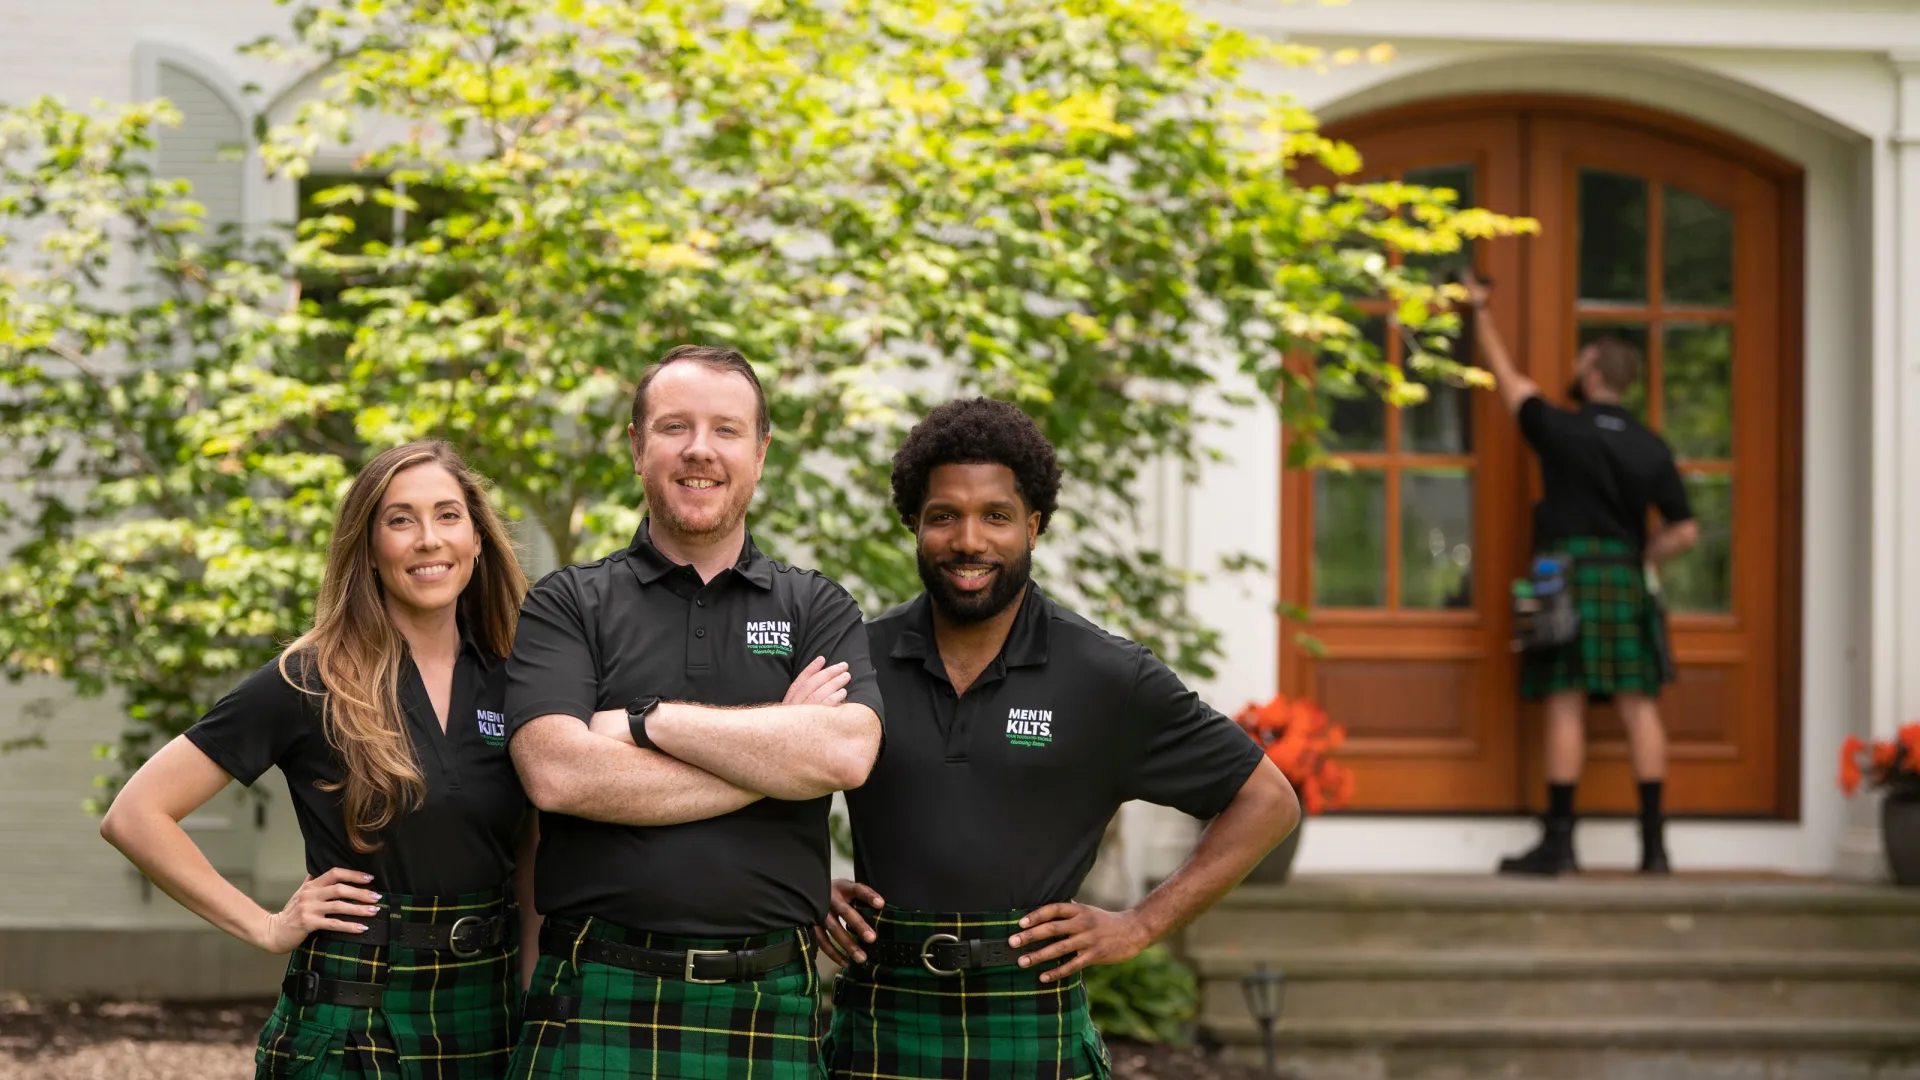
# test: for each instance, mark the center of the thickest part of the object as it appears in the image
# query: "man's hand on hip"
(1092, 935)
(837, 935)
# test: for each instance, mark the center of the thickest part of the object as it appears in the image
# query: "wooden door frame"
(1790, 181)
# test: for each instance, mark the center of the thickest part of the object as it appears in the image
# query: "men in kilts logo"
(1018, 728)
(1600, 471)
(682, 711)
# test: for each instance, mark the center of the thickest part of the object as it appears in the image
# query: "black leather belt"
(469, 935)
(944, 954)
(690, 965)
(308, 988)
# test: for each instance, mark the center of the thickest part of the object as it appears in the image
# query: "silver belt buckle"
(926, 954)
(453, 937)
(692, 953)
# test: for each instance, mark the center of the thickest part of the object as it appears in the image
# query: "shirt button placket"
(700, 647)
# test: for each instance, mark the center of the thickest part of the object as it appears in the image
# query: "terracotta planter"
(1900, 832)
(1274, 869)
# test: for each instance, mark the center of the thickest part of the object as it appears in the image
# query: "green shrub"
(1152, 998)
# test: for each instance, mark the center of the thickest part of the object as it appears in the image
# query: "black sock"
(1560, 802)
(1650, 799)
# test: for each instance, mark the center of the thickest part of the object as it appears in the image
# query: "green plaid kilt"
(906, 1023)
(442, 1017)
(1622, 643)
(593, 1021)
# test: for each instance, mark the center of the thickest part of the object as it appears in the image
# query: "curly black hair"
(981, 431)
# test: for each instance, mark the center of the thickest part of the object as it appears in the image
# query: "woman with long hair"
(385, 718)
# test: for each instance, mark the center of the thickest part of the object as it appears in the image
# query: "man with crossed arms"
(684, 841)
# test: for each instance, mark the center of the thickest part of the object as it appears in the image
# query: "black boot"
(1653, 849)
(1552, 855)
(1653, 830)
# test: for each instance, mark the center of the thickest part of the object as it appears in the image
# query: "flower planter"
(1900, 832)
(1275, 868)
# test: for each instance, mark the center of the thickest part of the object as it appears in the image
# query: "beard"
(966, 608)
(707, 524)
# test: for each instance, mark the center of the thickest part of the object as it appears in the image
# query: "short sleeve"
(257, 724)
(1195, 758)
(551, 669)
(836, 631)
(1670, 495)
(1545, 427)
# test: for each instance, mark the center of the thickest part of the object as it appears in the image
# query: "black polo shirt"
(460, 840)
(1600, 469)
(997, 799)
(636, 624)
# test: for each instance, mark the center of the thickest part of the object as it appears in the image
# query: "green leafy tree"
(1074, 205)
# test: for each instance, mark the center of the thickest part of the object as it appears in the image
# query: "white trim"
(1672, 24)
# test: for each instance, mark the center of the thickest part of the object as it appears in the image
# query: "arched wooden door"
(1680, 239)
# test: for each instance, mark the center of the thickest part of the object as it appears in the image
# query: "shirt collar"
(1027, 640)
(651, 564)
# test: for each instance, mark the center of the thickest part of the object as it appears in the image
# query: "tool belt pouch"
(1544, 615)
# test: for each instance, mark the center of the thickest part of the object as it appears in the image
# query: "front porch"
(1600, 975)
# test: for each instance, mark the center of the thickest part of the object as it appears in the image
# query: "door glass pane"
(1356, 417)
(1697, 249)
(1702, 579)
(1459, 179)
(1436, 538)
(1613, 238)
(1442, 424)
(1349, 538)
(1634, 334)
(1697, 380)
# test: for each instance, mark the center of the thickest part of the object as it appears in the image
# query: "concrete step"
(1341, 984)
(1427, 912)
(1589, 1049)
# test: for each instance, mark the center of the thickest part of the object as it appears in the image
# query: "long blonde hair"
(354, 651)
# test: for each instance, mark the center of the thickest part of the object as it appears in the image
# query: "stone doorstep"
(1577, 892)
(1661, 1033)
(1593, 963)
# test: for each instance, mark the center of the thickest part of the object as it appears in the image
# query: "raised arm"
(1514, 387)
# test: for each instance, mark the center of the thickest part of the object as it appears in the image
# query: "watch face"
(642, 706)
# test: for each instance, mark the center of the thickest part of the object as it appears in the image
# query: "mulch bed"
(129, 1040)
(145, 1040)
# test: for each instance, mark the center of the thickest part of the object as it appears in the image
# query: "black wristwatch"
(637, 712)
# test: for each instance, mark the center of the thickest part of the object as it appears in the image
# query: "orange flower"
(1850, 763)
(1298, 736)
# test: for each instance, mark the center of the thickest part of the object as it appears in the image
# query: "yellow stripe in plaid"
(621, 1023)
(441, 1017)
(906, 1023)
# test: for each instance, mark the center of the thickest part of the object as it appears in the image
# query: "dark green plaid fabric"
(1621, 630)
(906, 1023)
(442, 1017)
(622, 1023)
